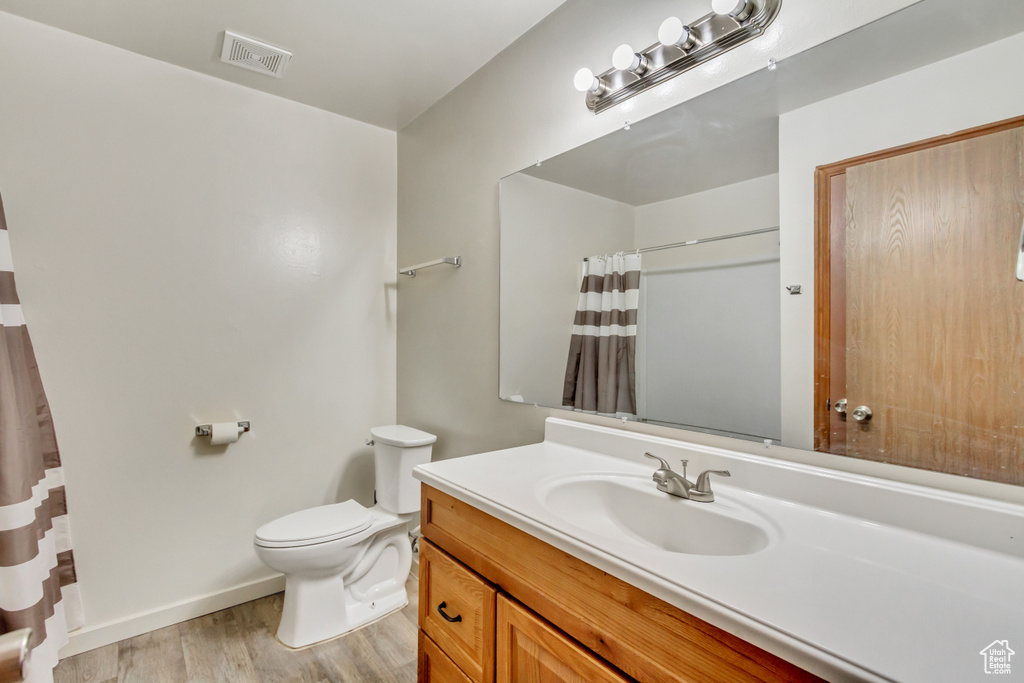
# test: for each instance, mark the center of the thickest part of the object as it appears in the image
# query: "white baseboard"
(92, 637)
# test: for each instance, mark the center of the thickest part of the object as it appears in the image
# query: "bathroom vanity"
(563, 557)
(523, 606)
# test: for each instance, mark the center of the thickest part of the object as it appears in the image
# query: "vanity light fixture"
(680, 47)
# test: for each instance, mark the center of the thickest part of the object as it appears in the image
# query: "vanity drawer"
(530, 649)
(466, 634)
(435, 666)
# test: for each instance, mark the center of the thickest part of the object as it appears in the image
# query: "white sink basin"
(627, 508)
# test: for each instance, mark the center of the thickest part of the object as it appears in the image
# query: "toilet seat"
(315, 525)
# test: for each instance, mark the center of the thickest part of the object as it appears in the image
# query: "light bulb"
(625, 58)
(586, 81)
(737, 9)
(674, 33)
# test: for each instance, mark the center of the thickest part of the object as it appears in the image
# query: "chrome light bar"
(679, 48)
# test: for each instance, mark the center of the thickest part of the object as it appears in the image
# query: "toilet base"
(335, 587)
(358, 615)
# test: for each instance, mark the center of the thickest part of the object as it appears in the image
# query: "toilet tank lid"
(400, 435)
(323, 523)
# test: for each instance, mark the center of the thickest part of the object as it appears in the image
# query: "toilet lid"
(315, 525)
(402, 436)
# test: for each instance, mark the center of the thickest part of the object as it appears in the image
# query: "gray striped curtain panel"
(600, 374)
(38, 588)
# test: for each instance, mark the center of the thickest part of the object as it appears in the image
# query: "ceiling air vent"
(254, 55)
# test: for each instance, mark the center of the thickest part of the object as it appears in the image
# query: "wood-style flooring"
(237, 645)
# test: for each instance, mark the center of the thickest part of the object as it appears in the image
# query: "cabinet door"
(529, 650)
(435, 666)
(457, 612)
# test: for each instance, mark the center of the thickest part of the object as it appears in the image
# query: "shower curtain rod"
(690, 243)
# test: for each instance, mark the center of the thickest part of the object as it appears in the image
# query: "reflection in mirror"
(721, 345)
(925, 314)
(707, 318)
(683, 339)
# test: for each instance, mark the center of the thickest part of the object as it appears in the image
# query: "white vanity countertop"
(863, 579)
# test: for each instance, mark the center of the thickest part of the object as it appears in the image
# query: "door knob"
(840, 406)
(862, 413)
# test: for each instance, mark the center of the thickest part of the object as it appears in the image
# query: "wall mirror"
(741, 181)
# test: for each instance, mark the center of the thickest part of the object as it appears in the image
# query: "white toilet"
(346, 565)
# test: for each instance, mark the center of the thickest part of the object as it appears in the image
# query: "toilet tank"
(397, 449)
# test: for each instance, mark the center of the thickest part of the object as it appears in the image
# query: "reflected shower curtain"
(38, 588)
(600, 375)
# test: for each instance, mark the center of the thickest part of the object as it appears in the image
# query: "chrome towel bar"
(449, 260)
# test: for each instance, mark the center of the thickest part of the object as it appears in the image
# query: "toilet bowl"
(345, 565)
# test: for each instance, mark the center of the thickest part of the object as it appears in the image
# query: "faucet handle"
(664, 465)
(703, 479)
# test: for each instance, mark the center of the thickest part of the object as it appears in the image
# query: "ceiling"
(731, 134)
(382, 62)
(719, 139)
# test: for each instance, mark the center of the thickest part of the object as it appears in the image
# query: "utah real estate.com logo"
(997, 657)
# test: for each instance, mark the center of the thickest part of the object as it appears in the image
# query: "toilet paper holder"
(206, 430)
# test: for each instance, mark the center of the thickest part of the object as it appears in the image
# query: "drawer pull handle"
(440, 609)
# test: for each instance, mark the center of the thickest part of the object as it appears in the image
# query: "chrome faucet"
(678, 485)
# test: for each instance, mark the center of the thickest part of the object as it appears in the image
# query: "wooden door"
(934, 312)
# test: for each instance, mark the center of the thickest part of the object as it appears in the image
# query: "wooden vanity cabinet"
(532, 612)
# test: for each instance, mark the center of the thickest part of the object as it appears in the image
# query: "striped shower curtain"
(37, 572)
(600, 375)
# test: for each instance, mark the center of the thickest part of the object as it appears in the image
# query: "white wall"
(709, 313)
(748, 205)
(968, 90)
(547, 229)
(189, 250)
